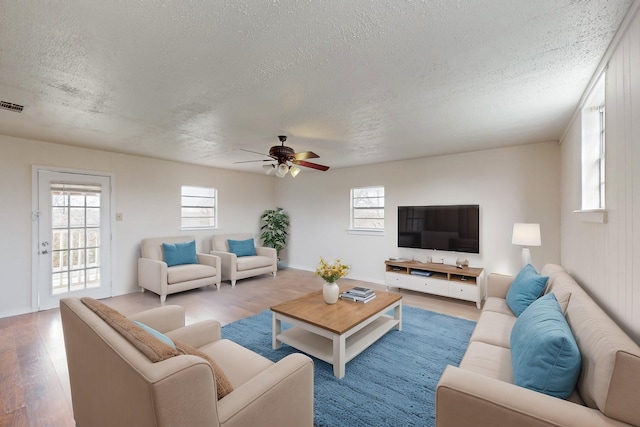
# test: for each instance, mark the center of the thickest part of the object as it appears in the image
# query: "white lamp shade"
(268, 169)
(282, 170)
(294, 170)
(526, 234)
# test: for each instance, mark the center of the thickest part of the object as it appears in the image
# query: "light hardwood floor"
(34, 380)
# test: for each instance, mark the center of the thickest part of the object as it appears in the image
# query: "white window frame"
(199, 192)
(353, 210)
(593, 154)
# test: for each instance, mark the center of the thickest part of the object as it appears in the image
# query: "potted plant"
(274, 229)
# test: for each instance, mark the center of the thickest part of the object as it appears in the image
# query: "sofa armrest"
(152, 275)
(228, 264)
(498, 285)
(465, 398)
(162, 319)
(268, 252)
(197, 334)
(210, 260)
(267, 398)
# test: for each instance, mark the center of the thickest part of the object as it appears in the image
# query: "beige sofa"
(234, 267)
(156, 276)
(480, 392)
(113, 383)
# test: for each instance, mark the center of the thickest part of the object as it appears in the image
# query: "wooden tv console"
(465, 283)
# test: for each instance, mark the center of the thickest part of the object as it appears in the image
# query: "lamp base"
(526, 257)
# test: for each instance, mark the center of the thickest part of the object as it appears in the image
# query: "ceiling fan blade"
(254, 152)
(305, 155)
(310, 165)
(252, 161)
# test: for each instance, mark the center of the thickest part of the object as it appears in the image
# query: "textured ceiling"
(357, 82)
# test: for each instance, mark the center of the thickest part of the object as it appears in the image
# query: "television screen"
(447, 228)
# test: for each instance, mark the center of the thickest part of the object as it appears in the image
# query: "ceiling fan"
(284, 155)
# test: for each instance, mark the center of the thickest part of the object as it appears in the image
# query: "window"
(198, 207)
(367, 208)
(593, 148)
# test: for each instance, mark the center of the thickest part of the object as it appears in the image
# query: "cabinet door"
(395, 280)
(464, 292)
(428, 285)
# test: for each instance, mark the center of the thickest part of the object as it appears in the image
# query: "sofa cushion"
(545, 355)
(563, 301)
(490, 360)
(494, 328)
(242, 247)
(180, 253)
(253, 262)
(497, 305)
(238, 363)
(187, 272)
(527, 286)
(149, 345)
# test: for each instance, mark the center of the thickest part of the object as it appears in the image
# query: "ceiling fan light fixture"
(282, 170)
(268, 169)
(294, 170)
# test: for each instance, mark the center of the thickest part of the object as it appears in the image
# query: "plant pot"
(330, 292)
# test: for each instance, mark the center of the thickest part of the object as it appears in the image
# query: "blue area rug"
(392, 383)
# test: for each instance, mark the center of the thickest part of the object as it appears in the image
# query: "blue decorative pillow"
(180, 253)
(527, 287)
(242, 247)
(162, 337)
(544, 353)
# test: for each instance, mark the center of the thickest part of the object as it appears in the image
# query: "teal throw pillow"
(162, 337)
(242, 247)
(180, 253)
(544, 353)
(527, 287)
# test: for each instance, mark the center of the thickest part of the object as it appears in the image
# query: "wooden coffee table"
(335, 333)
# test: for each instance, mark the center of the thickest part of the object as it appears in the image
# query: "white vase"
(330, 292)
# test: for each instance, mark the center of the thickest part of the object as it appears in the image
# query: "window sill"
(363, 232)
(198, 228)
(592, 215)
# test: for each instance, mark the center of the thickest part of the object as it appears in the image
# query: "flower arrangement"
(331, 272)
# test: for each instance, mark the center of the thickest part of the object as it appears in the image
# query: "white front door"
(73, 223)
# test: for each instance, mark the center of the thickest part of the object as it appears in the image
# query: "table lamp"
(526, 235)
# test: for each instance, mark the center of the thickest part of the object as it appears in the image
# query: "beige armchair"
(240, 267)
(155, 275)
(114, 383)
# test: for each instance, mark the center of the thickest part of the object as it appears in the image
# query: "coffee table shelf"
(322, 346)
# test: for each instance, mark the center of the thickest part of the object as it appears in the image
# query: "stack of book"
(358, 294)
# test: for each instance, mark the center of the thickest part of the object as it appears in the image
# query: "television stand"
(466, 283)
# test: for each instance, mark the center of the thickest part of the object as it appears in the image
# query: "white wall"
(605, 258)
(147, 193)
(517, 184)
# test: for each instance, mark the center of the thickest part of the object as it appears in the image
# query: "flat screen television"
(447, 228)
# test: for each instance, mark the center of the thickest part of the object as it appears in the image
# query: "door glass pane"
(59, 217)
(60, 283)
(93, 277)
(77, 239)
(93, 217)
(76, 217)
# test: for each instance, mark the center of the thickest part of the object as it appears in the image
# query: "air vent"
(11, 106)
